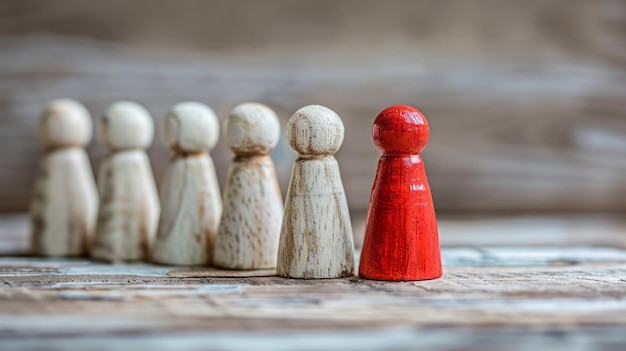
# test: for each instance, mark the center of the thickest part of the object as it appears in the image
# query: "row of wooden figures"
(310, 237)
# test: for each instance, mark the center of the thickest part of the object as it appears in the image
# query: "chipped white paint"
(528, 257)
(129, 207)
(249, 229)
(70, 268)
(135, 269)
(149, 291)
(316, 236)
(140, 288)
(83, 284)
(195, 290)
(65, 199)
(191, 202)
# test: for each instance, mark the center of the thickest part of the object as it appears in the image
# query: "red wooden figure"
(401, 238)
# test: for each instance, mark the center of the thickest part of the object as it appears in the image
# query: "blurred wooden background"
(526, 99)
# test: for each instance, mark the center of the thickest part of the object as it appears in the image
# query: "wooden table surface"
(514, 283)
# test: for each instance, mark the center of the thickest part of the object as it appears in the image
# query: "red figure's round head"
(400, 129)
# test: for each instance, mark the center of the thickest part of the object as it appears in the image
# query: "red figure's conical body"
(401, 238)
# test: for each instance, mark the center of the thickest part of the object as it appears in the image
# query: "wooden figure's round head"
(252, 129)
(126, 125)
(64, 123)
(190, 127)
(315, 130)
(401, 129)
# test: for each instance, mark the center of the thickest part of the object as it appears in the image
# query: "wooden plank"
(579, 290)
(524, 115)
(532, 297)
(558, 290)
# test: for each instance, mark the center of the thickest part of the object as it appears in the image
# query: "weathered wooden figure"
(316, 235)
(191, 203)
(401, 239)
(129, 204)
(65, 200)
(249, 230)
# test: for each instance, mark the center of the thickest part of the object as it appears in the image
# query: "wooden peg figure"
(253, 207)
(401, 239)
(129, 205)
(191, 203)
(65, 202)
(316, 235)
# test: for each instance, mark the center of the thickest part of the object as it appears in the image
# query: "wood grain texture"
(316, 234)
(191, 204)
(249, 230)
(129, 203)
(250, 226)
(490, 298)
(592, 229)
(65, 200)
(129, 208)
(525, 100)
(190, 211)
(65, 204)
(553, 298)
(401, 240)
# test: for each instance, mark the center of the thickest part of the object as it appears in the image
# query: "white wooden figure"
(249, 229)
(129, 204)
(190, 196)
(316, 236)
(65, 199)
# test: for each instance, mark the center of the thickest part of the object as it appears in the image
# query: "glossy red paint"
(401, 237)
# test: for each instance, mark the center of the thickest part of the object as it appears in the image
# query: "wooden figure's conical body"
(191, 203)
(249, 229)
(401, 239)
(316, 237)
(65, 199)
(190, 210)
(129, 206)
